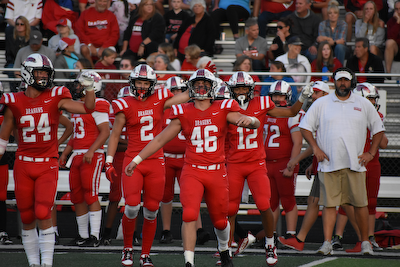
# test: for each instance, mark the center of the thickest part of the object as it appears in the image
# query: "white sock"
(83, 225)
(55, 228)
(269, 241)
(30, 240)
(291, 232)
(46, 244)
(189, 256)
(95, 223)
(223, 237)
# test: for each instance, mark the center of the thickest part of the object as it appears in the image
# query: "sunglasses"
(125, 66)
(19, 24)
(280, 27)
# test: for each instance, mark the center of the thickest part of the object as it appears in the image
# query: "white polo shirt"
(342, 129)
(30, 9)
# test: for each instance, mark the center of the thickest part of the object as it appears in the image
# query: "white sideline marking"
(314, 263)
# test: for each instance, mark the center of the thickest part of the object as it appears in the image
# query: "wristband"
(371, 154)
(142, 44)
(109, 159)
(137, 159)
(3, 146)
(253, 120)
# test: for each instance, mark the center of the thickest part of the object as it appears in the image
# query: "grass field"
(171, 256)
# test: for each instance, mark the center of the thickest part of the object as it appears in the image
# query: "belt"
(30, 159)
(209, 167)
(174, 156)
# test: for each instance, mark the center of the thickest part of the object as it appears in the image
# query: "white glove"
(306, 92)
(87, 82)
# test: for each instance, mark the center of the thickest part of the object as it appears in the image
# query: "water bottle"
(325, 78)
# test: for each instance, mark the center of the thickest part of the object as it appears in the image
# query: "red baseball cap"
(69, 41)
(64, 22)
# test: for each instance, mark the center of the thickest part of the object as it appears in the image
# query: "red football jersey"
(204, 131)
(37, 120)
(112, 120)
(85, 126)
(143, 119)
(368, 143)
(176, 145)
(278, 140)
(246, 145)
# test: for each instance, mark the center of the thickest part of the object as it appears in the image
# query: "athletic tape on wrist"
(137, 159)
(3, 146)
(109, 159)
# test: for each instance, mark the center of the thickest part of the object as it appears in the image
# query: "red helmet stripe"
(143, 71)
(240, 77)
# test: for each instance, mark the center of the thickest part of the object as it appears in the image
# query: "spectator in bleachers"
(168, 49)
(325, 62)
(198, 29)
(15, 42)
(272, 10)
(54, 11)
(151, 59)
(35, 46)
(97, 29)
(207, 63)
(106, 62)
(85, 4)
(31, 10)
(369, 26)
(174, 19)
(364, 61)
(252, 45)
(243, 63)
(64, 29)
(393, 38)
(162, 63)
(83, 64)
(354, 10)
(121, 10)
(305, 26)
(294, 62)
(231, 11)
(277, 66)
(145, 31)
(278, 47)
(334, 31)
(66, 59)
(192, 56)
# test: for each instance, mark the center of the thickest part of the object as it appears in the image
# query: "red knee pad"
(288, 202)
(341, 211)
(189, 215)
(43, 212)
(372, 202)
(220, 224)
(27, 216)
(77, 197)
(89, 199)
(233, 209)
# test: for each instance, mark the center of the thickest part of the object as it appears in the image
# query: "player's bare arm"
(63, 158)
(318, 153)
(104, 133)
(177, 99)
(114, 139)
(69, 128)
(172, 130)
(241, 120)
(294, 161)
(297, 139)
(78, 107)
(369, 155)
(6, 129)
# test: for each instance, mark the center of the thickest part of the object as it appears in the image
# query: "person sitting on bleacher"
(64, 28)
(174, 19)
(252, 45)
(66, 58)
(278, 46)
(364, 61)
(325, 62)
(192, 56)
(354, 10)
(35, 46)
(271, 10)
(372, 27)
(334, 31)
(305, 25)
(231, 11)
(393, 38)
(198, 29)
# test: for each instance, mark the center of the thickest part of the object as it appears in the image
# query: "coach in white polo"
(342, 119)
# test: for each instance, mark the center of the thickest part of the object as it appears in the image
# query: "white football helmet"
(79, 91)
(142, 72)
(241, 79)
(124, 91)
(281, 88)
(37, 62)
(175, 83)
(368, 90)
(221, 90)
(201, 92)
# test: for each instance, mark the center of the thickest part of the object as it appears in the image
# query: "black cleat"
(202, 236)
(226, 260)
(92, 241)
(166, 237)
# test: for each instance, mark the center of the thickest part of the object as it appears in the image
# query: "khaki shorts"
(343, 187)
